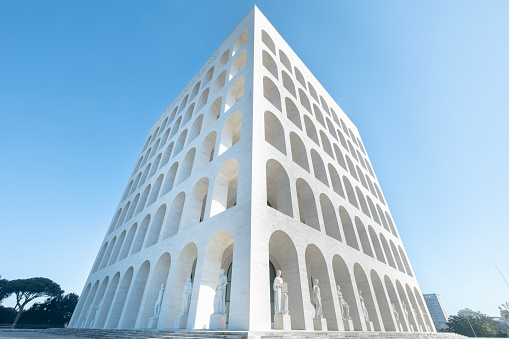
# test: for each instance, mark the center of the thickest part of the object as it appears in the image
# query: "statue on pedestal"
(284, 306)
(186, 296)
(219, 298)
(99, 305)
(345, 309)
(405, 310)
(317, 300)
(159, 301)
(363, 306)
(504, 312)
(277, 286)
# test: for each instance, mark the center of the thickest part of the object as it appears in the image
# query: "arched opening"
(383, 304)
(307, 205)
(319, 167)
(155, 165)
(361, 177)
(311, 130)
(121, 295)
(364, 287)
(196, 203)
(208, 76)
(344, 281)
(304, 101)
(362, 201)
(326, 144)
(241, 40)
(195, 128)
(219, 83)
(238, 64)
(159, 278)
(288, 83)
(283, 255)
(348, 230)
(319, 115)
(394, 300)
(396, 256)
(269, 63)
(292, 113)
(278, 188)
(225, 187)
(155, 191)
(187, 166)
(285, 61)
(174, 215)
(155, 227)
(349, 192)
(214, 112)
(331, 129)
(170, 178)
(179, 145)
(324, 105)
(183, 103)
(143, 199)
(330, 220)
(316, 269)
(376, 244)
(140, 236)
(391, 225)
(336, 181)
(137, 290)
(235, 93)
(116, 250)
(271, 93)
(106, 303)
(300, 77)
(185, 266)
(267, 40)
(351, 168)
(188, 115)
(231, 132)
(312, 91)
(406, 305)
(128, 242)
(107, 255)
(374, 214)
(274, 132)
(387, 251)
(195, 91)
(206, 152)
(363, 237)
(167, 154)
(175, 127)
(224, 59)
(299, 154)
(405, 261)
(202, 101)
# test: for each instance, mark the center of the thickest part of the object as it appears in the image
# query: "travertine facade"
(253, 168)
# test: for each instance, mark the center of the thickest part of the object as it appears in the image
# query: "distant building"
(437, 310)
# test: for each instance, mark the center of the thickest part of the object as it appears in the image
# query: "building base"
(348, 325)
(320, 324)
(152, 322)
(180, 322)
(217, 322)
(282, 322)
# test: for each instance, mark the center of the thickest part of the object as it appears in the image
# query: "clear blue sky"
(426, 83)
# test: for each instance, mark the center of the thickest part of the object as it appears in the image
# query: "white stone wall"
(253, 128)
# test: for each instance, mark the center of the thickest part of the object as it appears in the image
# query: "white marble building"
(253, 168)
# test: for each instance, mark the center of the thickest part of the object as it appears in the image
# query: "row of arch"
(317, 135)
(238, 63)
(321, 214)
(276, 136)
(186, 210)
(126, 300)
(271, 66)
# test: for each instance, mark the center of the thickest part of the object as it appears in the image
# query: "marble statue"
(345, 309)
(284, 306)
(186, 296)
(219, 298)
(363, 306)
(504, 312)
(277, 286)
(396, 314)
(159, 301)
(317, 300)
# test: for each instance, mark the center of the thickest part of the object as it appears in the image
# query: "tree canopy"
(27, 290)
(471, 323)
(3, 294)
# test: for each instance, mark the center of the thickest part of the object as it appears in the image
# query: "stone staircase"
(208, 334)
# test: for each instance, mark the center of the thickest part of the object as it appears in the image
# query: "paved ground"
(33, 335)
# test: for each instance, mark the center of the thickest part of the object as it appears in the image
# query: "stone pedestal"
(400, 327)
(180, 322)
(282, 322)
(152, 322)
(369, 326)
(411, 328)
(421, 329)
(320, 324)
(428, 328)
(348, 325)
(217, 322)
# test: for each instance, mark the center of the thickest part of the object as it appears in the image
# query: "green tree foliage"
(27, 290)
(3, 294)
(53, 311)
(466, 322)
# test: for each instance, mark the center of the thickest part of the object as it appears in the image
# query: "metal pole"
(502, 275)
